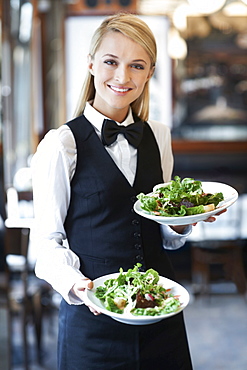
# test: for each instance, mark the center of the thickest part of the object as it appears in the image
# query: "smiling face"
(121, 68)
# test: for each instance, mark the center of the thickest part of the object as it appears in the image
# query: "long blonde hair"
(137, 30)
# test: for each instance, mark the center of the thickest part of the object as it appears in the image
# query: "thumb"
(89, 284)
(81, 285)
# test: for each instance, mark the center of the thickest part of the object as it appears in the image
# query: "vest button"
(137, 235)
(137, 246)
(139, 258)
(133, 198)
(135, 222)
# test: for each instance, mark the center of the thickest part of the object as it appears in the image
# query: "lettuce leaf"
(129, 285)
(179, 198)
(194, 210)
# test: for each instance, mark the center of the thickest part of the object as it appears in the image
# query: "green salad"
(137, 293)
(179, 198)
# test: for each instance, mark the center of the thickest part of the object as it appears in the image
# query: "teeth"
(118, 89)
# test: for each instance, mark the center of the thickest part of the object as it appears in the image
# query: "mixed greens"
(137, 293)
(179, 198)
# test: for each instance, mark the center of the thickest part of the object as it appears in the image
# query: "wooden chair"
(24, 290)
(221, 245)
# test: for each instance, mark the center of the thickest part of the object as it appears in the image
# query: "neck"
(118, 115)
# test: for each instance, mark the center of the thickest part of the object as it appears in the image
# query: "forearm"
(60, 267)
(179, 229)
(52, 169)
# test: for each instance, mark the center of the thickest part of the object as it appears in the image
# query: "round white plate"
(176, 289)
(230, 197)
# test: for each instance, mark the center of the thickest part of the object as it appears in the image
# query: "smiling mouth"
(118, 89)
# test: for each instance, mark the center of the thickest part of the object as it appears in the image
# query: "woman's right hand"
(79, 290)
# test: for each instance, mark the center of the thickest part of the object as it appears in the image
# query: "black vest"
(101, 226)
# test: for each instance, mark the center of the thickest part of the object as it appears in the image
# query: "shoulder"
(57, 151)
(161, 131)
(158, 127)
(162, 134)
(58, 139)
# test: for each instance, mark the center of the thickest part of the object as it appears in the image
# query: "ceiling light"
(235, 9)
(207, 6)
(177, 47)
(180, 15)
(26, 22)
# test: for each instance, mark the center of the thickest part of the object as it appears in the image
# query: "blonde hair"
(137, 30)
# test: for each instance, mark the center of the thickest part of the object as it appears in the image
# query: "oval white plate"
(230, 197)
(176, 289)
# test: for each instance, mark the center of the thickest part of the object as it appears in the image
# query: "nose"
(122, 74)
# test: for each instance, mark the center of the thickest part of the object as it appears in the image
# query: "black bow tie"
(110, 131)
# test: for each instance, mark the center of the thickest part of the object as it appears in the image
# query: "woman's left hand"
(212, 218)
(79, 289)
(179, 229)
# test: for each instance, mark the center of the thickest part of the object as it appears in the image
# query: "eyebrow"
(133, 61)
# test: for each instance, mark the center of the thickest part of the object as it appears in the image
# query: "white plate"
(230, 197)
(176, 289)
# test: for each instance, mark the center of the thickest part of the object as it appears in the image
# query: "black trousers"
(88, 342)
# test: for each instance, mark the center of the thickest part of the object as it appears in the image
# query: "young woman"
(85, 185)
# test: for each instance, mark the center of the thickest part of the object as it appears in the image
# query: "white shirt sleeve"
(173, 240)
(52, 168)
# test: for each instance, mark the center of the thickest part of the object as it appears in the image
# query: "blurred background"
(199, 90)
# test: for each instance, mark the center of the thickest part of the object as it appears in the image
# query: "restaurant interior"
(199, 90)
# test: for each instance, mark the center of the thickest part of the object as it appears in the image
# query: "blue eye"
(137, 66)
(110, 62)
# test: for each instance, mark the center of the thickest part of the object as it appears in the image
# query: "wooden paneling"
(96, 7)
(184, 146)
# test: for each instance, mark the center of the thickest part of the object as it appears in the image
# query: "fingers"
(79, 287)
(210, 219)
(89, 284)
(213, 218)
(224, 210)
(79, 290)
(96, 313)
(82, 284)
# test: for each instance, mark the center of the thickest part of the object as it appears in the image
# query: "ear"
(151, 72)
(90, 64)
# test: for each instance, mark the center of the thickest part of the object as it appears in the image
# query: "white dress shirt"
(53, 166)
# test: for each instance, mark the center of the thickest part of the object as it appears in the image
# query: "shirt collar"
(97, 119)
